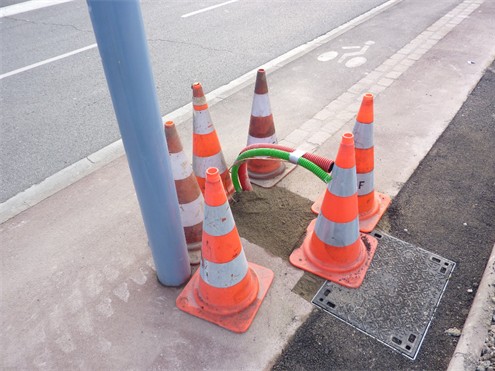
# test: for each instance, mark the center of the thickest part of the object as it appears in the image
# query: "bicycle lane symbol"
(354, 59)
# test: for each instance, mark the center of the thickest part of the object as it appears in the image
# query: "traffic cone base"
(271, 182)
(316, 207)
(255, 165)
(236, 319)
(350, 276)
(369, 221)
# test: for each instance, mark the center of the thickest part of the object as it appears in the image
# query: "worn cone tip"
(261, 86)
(197, 90)
(169, 126)
(345, 157)
(173, 140)
(365, 114)
(213, 175)
(214, 190)
(348, 139)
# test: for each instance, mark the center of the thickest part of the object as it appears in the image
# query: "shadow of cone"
(333, 248)
(371, 204)
(190, 197)
(262, 130)
(226, 290)
(206, 146)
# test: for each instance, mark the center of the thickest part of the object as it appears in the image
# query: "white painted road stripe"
(46, 61)
(208, 8)
(27, 6)
(71, 174)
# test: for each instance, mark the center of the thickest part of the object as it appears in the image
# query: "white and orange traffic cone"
(206, 146)
(262, 130)
(191, 202)
(226, 290)
(333, 248)
(371, 204)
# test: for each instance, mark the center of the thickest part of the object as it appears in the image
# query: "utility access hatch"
(398, 298)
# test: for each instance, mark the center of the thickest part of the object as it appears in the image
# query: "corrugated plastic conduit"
(241, 180)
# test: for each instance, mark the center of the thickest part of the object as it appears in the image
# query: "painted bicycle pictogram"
(354, 59)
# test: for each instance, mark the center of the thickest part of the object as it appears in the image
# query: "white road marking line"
(71, 174)
(28, 6)
(208, 8)
(46, 61)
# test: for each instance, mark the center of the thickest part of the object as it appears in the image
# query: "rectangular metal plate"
(398, 298)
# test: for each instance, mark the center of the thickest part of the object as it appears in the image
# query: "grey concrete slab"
(79, 291)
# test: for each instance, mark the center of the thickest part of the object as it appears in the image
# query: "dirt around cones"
(275, 218)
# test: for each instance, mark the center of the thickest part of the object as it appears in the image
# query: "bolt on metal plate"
(398, 298)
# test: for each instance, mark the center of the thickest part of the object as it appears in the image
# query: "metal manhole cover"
(398, 298)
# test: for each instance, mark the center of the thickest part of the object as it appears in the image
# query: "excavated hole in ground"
(276, 219)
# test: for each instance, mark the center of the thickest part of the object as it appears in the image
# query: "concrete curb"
(60, 180)
(468, 350)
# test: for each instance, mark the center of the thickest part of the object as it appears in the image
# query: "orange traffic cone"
(206, 146)
(371, 204)
(226, 290)
(333, 248)
(262, 130)
(190, 197)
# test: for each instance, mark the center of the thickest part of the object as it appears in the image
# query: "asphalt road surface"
(55, 106)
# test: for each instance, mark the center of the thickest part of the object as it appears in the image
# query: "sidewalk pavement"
(78, 286)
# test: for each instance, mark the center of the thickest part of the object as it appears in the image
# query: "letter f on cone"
(371, 204)
(226, 290)
(333, 248)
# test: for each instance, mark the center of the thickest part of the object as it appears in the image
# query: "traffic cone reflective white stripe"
(188, 192)
(262, 130)
(371, 204)
(226, 290)
(333, 248)
(206, 146)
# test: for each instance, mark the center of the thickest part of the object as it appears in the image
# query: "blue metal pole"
(121, 39)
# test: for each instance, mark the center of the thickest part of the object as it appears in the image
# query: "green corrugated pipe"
(269, 152)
